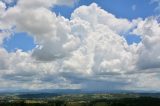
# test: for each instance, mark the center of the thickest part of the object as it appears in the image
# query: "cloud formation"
(149, 53)
(87, 50)
(158, 5)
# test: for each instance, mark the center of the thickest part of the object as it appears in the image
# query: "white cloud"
(3, 35)
(30, 4)
(2, 10)
(89, 49)
(2, 7)
(95, 15)
(19, 70)
(149, 30)
(3, 59)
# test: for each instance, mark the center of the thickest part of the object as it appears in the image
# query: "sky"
(80, 44)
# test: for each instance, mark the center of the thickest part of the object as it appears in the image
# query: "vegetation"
(79, 100)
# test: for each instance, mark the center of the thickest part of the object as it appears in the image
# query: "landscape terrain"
(75, 98)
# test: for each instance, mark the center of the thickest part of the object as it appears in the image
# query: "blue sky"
(120, 8)
(19, 41)
(130, 9)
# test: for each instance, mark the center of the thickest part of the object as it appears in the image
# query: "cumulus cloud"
(22, 70)
(2, 10)
(87, 50)
(100, 16)
(3, 62)
(149, 53)
(40, 3)
(2, 7)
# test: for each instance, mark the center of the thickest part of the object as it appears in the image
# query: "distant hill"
(37, 95)
(154, 95)
(47, 93)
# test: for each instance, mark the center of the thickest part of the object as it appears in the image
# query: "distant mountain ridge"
(56, 92)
